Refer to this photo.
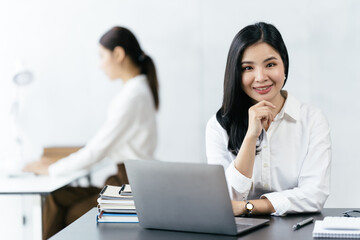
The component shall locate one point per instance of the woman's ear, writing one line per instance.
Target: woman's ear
(119, 54)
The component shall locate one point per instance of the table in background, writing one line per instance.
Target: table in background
(34, 190)
(279, 228)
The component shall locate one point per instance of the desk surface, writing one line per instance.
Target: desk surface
(279, 228)
(32, 184)
(37, 184)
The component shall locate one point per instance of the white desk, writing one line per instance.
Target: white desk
(37, 184)
(34, 189)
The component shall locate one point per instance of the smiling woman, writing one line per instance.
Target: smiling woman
(275, 150)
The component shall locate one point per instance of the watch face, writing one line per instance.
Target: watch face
(249, 206)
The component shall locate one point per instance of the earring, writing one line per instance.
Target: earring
(285, 77)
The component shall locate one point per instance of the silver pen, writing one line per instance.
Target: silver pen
(302, 223)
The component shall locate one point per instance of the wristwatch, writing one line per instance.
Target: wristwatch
(249, 207)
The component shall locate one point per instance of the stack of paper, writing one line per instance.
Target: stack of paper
(321, 230)
(116, 204)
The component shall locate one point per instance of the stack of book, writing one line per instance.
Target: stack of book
(116, 204)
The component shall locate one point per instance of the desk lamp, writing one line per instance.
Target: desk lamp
(21, 78)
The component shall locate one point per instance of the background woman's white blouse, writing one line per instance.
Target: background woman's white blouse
(129, 131)
(293, 168)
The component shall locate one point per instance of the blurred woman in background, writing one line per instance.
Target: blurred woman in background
(129, 131)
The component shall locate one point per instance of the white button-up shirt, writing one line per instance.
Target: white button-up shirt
(129, 131)
(293, 168)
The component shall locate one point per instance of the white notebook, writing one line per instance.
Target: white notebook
(321, 232)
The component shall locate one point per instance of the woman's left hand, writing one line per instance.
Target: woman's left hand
(38, 167)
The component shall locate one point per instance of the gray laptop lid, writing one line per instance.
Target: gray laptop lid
(181, 196)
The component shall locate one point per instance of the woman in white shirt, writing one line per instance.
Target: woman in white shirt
(129, 131)
(276, 151)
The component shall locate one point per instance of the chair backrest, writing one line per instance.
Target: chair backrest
(53, 154)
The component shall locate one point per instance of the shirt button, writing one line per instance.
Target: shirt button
(265, 146)
(265, 165)
(266, 186)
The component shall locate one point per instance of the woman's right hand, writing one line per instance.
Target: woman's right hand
(38, 167)
(260, 116)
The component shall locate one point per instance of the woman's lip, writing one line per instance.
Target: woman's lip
(263, 90)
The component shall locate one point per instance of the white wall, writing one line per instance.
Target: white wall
(189, 41)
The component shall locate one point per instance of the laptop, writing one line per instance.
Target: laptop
(190, 197)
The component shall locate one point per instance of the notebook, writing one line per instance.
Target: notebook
(189, 197)
(321, 232)
(116, 192)
(117, 218)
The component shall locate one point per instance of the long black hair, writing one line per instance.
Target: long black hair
(120, 36)
(233, 114)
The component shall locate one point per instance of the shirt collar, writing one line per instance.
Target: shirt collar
(134, 82)
(291, 107)
(138, 78)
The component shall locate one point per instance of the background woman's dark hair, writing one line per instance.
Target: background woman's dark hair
(120, 36)
(233, 114)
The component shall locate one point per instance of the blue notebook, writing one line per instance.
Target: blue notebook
(116, 218)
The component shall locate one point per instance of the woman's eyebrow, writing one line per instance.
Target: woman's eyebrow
(270, 58)
(266, 60)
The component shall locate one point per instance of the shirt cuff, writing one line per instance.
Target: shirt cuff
(237, 181)
(58, 168)
(280, 203)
